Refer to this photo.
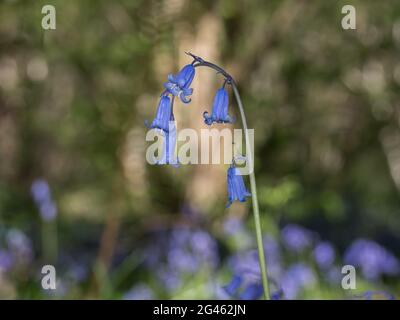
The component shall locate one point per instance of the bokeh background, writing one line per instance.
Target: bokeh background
(76, 191)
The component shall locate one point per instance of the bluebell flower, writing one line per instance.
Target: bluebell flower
(373, 259)
(6, 260)
(169, 142)
(246, 264)
(163, 115)
(232, 287)
(219, 112)
(333, 275)
(236, 188)
(139, 292)
(247, 276)
(277, 295)
(324, 254)
(20, 246)
(296, 238)
(179, 84)
(233, 225)
(40, 190)
(41, 194)
(181, 252)
(252, 292)
(205, 246)
(272, 252)
(296, 278)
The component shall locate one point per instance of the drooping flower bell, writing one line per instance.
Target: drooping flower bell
(163, 115)
(219, 112)
(236, 188)
(168, 151)
(179, 84)
(232, 287)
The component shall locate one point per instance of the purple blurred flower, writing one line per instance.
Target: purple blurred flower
(48, 210)
(181, 251)
(373, 259)
(252, 292)
(324, 254)
(78, 272)
(182, 260)
(246, 280)
(139, 292)
(169, 278)
(6, 260)
(296, 278)
(232, 225)
(334, 275)
(273, 257)
(246, 264)
(41, 194)
(233, 286)
(296, 238)
(40, 190)
(205, 247)
(20, 246)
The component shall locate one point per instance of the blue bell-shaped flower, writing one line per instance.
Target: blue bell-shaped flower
(163, 115)
(179, 84)
(232, 287)
(236, 188)
(219, 109)
(168, 152)
(252, 292)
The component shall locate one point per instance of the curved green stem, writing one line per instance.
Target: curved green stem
(253, 187)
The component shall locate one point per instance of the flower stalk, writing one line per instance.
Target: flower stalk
(178, 85)
(253, 187)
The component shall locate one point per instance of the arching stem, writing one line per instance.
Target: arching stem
(199, 62)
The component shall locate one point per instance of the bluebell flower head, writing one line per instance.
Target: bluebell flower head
(252, 292)
(163, 115)
(169, 142)
(40, 190)
(373, 259)
(139, 292)
(48, 210)
(179, 84)
(324, 254)
(233, 286)
(219, 112)
(296, 238)
(297, 277)
(6, 260)
(272, 251)
(246, 280)
(236, 188)
(233, 225)
(20, 246)
(41, 194)
(180, 252)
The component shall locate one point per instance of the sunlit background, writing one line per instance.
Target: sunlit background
(76, 191)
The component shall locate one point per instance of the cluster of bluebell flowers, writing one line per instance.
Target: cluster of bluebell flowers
(179, 86)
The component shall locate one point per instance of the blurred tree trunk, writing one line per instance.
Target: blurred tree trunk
(207, 182)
